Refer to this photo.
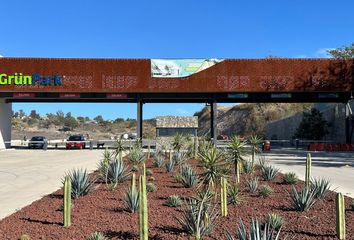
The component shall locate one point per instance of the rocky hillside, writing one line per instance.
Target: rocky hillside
(248, 118)
(241, 119)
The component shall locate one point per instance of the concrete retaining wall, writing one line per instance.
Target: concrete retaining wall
(285, 128)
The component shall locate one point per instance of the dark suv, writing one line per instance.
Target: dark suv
(37, 142)
(76, 141)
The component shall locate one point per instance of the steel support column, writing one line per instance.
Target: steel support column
(213, 121)
(348, 116)
(5, 124)
(139, 127)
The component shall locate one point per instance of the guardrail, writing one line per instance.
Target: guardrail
(91, 143)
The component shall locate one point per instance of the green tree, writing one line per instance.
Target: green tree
(81, 120)
(313, 126)
(99, 119)
(34, 115)
(342, 52)
(70, 121)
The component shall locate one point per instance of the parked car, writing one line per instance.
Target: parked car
(76, 141)
(37, 142)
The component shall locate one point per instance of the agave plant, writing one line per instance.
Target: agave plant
(320, 187)
(304, 199)
(252, 185)
(269, 172)
(237, 154)
(290, 178)
(198, 216)
(254, 141)
(248, 166)
(80, 183)
(151, 187)
(136, 156)
(132, 200)
(159, 160)
(97, 236)
(180, 158)
(265, 191)
(255, 232)
(189, 176)
(116, 172)
(214, 166)
(274, 221)
(234, 195)
(170, 165)
(174, 201)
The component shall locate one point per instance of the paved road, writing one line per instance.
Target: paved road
(337, 167)
(27, 175)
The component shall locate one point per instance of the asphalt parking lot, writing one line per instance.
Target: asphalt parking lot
(338, 167)
(27, 175)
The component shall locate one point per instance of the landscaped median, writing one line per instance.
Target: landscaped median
(113, 205)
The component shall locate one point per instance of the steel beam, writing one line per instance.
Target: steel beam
(213, 121)
(139, 127)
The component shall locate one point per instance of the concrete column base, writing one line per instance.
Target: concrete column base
(5, 124)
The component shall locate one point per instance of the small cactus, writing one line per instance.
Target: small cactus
(25, 237)
(308, 170)
(340, 216)
(149, 151)
(67, 202)
(143, 209)
(223, 197)
(195, 147)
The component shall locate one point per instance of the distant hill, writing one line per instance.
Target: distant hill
(246, 119)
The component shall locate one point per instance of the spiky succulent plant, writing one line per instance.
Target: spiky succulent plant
(214, 166)
(80, 182)
(320, 187)
(304, 199)
(198, 216)
(269, 172)
(159, 160)
(151, 187)
(274, 221)
(248, 166)
(252, 185)
(234, 195)
(97, 236)
(136, 156)
(116, 172)
(265, 191)
(189, 176)
(290, 178)
(170, 165)
(255, 232)
(173, 201)
(180, 158)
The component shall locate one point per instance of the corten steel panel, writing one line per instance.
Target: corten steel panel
(231, 75)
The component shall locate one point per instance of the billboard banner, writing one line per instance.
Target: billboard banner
(175, 68)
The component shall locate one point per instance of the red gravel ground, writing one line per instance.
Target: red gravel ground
(104, 211)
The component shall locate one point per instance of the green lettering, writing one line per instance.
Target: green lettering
(27, 80)
(9, 80)
(3, 79)
(18, 79)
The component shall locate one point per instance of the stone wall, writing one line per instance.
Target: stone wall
(285, 129)
(173, 122)
(176, 122)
